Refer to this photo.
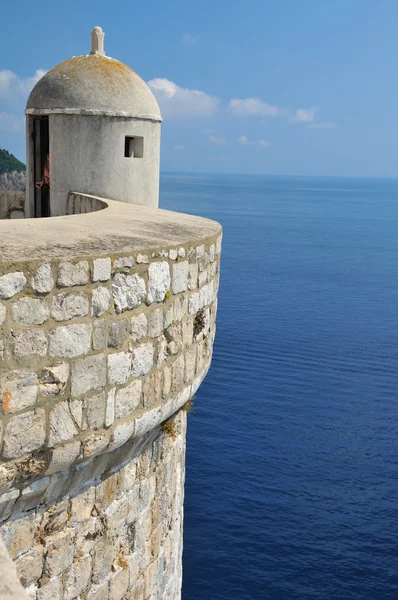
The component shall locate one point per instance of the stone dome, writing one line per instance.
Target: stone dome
(93, 84)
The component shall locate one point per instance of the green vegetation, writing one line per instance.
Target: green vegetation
(9, 163)
(169, 428)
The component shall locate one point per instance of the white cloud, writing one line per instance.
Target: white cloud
(322, 126)
(9, 122)
(217, 141)
(304, 115)
(188, 38)
(182, 103)
(12, 86)
(247, 107)
(246, 142)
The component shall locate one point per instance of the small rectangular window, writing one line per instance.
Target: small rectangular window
(133, 147)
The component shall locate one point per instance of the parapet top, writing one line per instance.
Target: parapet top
(97, 41)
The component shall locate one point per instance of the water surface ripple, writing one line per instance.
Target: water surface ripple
(292, 476)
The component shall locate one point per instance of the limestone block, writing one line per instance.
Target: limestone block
(88, 374)
(123, 262)
(118, 584)
(116, 515)
(102, 269)
(42, 280)
(100, 335)
(11, 284)
(3, 313)
(110, 408)
(152, 389)
(128, 399)
(29, 566)
(162, 351)
(119, 367)
(128, 291)
(69, 306)
(138, 327)
(180, 307)
(142, 259)
(70, 275)
(105, 492)
(173, 254)
(143, 357)
(121, 434)
(62, 426)
(24, 433)
(78, 577)
(158, 282)
(117, 333)
(173, 335)
(69, 341)
(138, 591)
(200, 251)
(7, 502)
(101, 300)
(96, 411)
(99, 592)
(187, 332)
(64, 456)
(76, 410)
(54, 379)
(95, 443)
(190, 364)
(127, 479)
(166, 381)
(181, 252)
(103, 557)
(30, 343)
(218, 245)
(134, 570)
(7, 476)
(205, 295)
(52, 590)
(168, 315)
(180, 277)
(194, 303)
(177, 373)
(212, 253)
(203, 277)
(18, 390)
(155, 323)
(82, 505)
(30, 311)
(18, 535)
(60, 550)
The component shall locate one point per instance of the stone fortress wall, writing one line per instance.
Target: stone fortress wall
(107, 323)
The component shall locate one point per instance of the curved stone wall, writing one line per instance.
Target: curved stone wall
(98, 354)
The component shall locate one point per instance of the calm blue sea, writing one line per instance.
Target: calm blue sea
(292, 457)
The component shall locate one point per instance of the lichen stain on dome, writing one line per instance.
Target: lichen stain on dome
(93, 80)
(93, 64)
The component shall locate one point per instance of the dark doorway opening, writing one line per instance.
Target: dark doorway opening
(41, 153)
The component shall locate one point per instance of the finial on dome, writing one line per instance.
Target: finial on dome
(97, 38)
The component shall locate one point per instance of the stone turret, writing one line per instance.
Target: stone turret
(107, 323)
(99, 124)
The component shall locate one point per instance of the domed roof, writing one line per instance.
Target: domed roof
(93, 84)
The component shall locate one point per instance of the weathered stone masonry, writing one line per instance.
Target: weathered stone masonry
(105, 334)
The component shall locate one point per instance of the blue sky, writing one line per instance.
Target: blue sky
(256, 86)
